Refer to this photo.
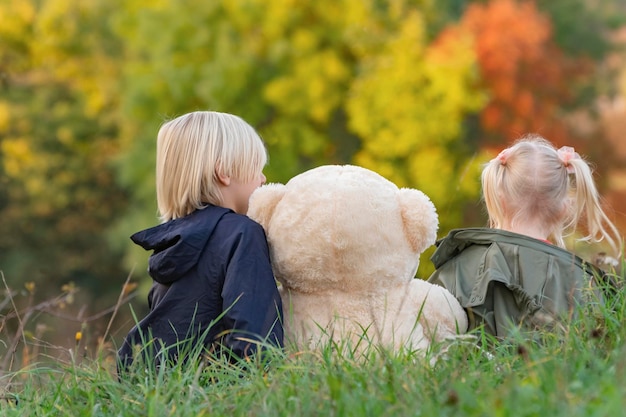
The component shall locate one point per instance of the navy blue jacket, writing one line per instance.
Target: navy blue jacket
(213, 284)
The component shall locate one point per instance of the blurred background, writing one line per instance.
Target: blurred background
(421, 91)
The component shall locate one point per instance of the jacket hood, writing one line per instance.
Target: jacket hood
(178, 244)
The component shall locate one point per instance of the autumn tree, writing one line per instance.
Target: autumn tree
(408, 105)
(347, 81)
(57, 135)
(86, 85)
(537, 62)
(526, 76)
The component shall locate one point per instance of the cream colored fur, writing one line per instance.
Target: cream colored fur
(345, 245)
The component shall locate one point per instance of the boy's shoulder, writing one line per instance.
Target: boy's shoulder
(233, 222)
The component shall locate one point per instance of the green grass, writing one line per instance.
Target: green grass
(579, 371)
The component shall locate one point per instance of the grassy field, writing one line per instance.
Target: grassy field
(578, 371)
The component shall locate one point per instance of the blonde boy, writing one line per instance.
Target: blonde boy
(213, 283)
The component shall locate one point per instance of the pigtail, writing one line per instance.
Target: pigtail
(587, 205)
(492, 179)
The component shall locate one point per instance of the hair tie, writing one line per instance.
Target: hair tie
(567, 154)
(503, 156)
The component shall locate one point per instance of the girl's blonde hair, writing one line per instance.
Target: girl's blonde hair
(532, 179)
(192, 149)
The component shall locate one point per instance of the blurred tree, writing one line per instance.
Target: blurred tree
(57, 135)
(176, 61)
(584, 30)
(321, 81)
(581, 27)
(542, 64)
(85, 85)
(408, 104)
(527, 76)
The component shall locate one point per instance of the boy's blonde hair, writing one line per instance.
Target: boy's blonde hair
(532, 179)
(192, 149)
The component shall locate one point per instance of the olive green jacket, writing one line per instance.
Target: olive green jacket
(504, 279)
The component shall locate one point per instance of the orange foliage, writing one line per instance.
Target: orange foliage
(527, 76)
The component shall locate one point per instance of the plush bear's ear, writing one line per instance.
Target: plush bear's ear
(263, 201)
(419, 218)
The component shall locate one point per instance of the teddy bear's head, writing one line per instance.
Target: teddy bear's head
(343, 228)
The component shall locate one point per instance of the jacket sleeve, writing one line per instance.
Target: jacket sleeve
(251, 302)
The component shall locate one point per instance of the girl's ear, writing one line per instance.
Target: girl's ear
(419, 218)
(263, 201)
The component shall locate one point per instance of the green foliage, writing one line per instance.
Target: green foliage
(581, 27)
(324, 82)
(408, 106)
(84, 87)
(56, 136)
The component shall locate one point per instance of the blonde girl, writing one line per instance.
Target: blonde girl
(534, 189)
(517, 274)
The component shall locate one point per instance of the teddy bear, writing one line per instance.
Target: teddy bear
(345, 245)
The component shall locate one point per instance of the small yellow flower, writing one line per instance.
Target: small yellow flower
(79, 336)
(30, 287)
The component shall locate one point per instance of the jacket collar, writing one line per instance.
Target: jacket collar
(459, 239)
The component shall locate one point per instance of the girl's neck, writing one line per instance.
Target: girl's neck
(529, 229)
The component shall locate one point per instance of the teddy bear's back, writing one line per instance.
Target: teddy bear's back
(348, 235)
(409, 315)
(345, 244)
